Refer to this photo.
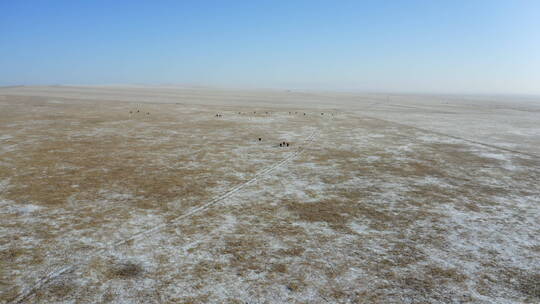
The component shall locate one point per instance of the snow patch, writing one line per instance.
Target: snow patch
(11, 207)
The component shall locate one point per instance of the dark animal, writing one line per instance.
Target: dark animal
(260, 139)
(287, 144)
(281, 145)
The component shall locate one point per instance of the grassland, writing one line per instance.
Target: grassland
(143, 195)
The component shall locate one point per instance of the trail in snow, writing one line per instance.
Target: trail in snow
(25, 294)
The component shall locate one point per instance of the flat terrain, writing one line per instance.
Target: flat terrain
(143, 195)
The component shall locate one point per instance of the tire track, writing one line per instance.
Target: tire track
(25, 294)
(495, 147)
(221, 197)
(532, 155)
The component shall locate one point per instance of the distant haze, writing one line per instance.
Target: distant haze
(481, 46)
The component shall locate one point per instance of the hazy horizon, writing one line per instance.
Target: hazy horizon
(462, 47)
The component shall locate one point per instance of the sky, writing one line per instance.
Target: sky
(425, 46)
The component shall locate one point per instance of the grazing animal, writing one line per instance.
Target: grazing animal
(147, 113)
(287, 144)
(304, 114)
(281, 145)
(137, 111)
(130, 112)
(260, 139)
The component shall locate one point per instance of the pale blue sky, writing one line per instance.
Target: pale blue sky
(467, 46)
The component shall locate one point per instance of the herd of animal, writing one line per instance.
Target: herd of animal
(281, 144)
(255, 112)
(138, 111)
(219, 115)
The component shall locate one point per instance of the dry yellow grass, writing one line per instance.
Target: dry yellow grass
(371, 212)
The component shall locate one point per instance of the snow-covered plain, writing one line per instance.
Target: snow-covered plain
(143, 195)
